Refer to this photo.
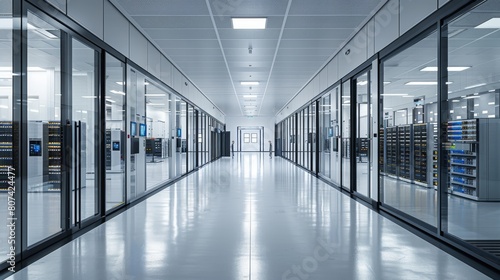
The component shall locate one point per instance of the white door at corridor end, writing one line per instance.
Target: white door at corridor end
(250, 140)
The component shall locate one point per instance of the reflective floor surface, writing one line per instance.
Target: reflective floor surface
(249, 217)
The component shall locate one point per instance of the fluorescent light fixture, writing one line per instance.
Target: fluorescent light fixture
(493, 23)
(406, 96)
(472, 97)
(476, 105)
(159, 104)
(475, 114)
(79, 74)
(362, 83)
(110, 100)
(459, 117)
(120, 83)
(451, 111)
(109, 105)
(421, 83)
(33, 68)
(4, 106)
(491, 116)
(155, 94)
(346, 96)
(89, 96)
(249, 23)
(464, 107)
(491, 90)
(485, 112)
(491, 103)
(146, 83)
(41, 31)
(475, 86)
(249, 96)
(450, 68)
(34, 111)
(117, 92)
(455, 101)
(394, 94)
(249, 83)
(386, 83)
(387, 108)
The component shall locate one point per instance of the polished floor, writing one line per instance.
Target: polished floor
(249, 217)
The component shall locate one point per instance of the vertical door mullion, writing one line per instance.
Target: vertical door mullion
(66, 120)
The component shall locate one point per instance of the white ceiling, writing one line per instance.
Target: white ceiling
(301, 36)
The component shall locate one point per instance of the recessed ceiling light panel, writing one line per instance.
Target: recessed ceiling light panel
(249, 23)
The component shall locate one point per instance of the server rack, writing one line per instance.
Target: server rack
(405, 157)
(6, 153)
(473, 165)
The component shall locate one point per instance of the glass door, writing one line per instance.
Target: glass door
(44, 137)
(363, 138)
(83, 116)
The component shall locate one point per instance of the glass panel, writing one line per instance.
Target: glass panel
(312, 136)
(157, 135)
(191, 138)
(407, 181)
(326, 133)
(44, 130)
(473, 127)
(7, 156)
(335, 139)
(136, 111)
(115, 133)
(182, 140)
(362, 135)
(346, 135)
(305, 138)
(84, 110)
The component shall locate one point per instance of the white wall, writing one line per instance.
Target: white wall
(267, 122)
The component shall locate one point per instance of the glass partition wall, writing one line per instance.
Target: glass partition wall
(435, 138)
(115, 133)
(83, 132)
(407, 181)
(8, 156)
(472, 129)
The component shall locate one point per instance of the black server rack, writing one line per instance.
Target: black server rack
(404, 148)
(6, 153)
(392, 150)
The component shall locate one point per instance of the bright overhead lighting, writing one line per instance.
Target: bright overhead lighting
(492, 23)
(450, 68)
(472, 97)
(120, 83)
(386, 83)
(155, 94)
(110, 100)
(159, 104)
(387, 108)
(394, 94)
(249, 96)
(362, 83)
(405, 96)
(89, 96)
(117, 92)
(249, 23)
(421, 83)
(4, 106)
(491, 103)
(249, 83)
(455, 101)
(475, 86)
(41, 31)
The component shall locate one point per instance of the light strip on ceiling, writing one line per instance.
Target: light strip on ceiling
(155, 94)
(450, 68)
(249, 23)
(249, 83)
(421, 83)
(117, 92)
(493, 23)
(475, 86)
(394, 94)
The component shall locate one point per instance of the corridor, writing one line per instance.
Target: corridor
(249, 217)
